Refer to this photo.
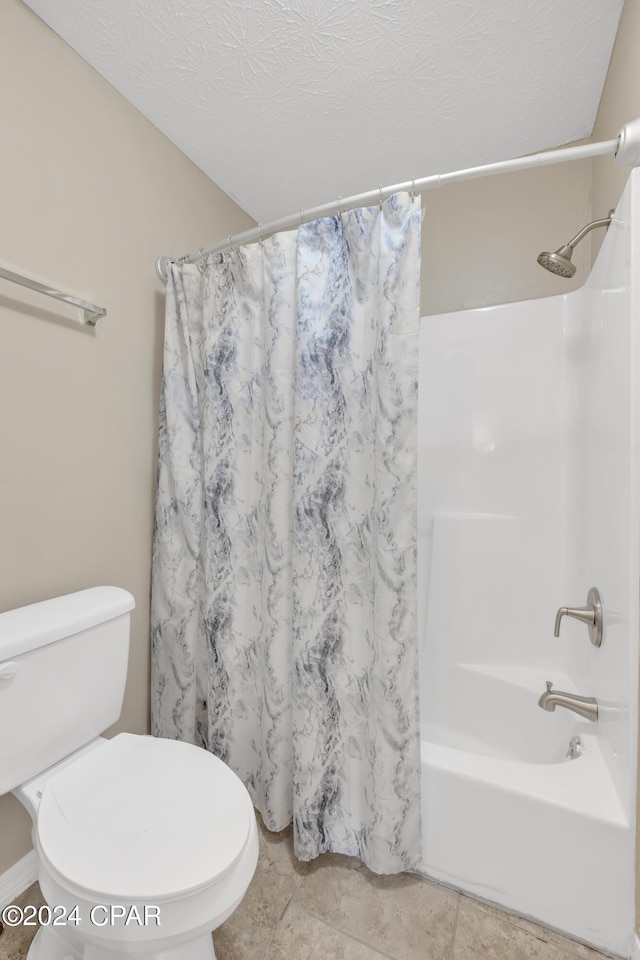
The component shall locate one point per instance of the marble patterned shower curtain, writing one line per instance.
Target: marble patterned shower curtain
(284, 570)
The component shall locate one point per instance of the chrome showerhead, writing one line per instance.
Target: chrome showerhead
(559, 262)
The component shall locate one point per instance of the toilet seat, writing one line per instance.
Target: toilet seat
(143, 819)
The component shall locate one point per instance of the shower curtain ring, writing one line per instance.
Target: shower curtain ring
(380, 196)
(301, 217)
(413, 188)
(339, 210)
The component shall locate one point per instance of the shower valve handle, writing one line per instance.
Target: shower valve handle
(591, 615)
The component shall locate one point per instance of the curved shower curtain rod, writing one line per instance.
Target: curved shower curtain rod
(626, 149)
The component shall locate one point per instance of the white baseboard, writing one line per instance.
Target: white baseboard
(635, 953)
(21, 875)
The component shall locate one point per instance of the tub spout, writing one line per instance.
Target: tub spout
(586, 707)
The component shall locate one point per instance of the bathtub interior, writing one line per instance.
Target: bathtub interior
(528, 480)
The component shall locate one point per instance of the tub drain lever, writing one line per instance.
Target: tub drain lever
(576, 749)
(591, 615)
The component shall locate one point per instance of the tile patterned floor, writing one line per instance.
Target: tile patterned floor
(336, 909)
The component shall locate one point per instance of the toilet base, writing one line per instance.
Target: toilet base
(49, 945)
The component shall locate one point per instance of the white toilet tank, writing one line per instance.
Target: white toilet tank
(63, 669)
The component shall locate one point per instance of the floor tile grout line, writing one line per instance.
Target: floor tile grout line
(455, 927)
(299, 877)
(289, 901)
(349, 936)
(274, 930)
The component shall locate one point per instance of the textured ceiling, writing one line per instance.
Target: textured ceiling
(291, 103)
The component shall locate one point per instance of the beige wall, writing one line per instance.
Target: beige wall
(481, 238)
(91, 194)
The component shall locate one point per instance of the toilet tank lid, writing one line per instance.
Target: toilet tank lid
(38, 624)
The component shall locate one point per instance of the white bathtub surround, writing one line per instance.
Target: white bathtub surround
(284, 579)
(528, 496)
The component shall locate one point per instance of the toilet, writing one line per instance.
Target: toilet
(144, 845)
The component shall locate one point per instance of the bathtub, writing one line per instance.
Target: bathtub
(528, 480)
(510, 820)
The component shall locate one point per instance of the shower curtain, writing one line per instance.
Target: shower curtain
(284, 567)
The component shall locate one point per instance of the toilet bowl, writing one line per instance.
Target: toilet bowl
(144, 845)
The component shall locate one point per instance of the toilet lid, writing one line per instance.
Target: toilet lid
(144, 818)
